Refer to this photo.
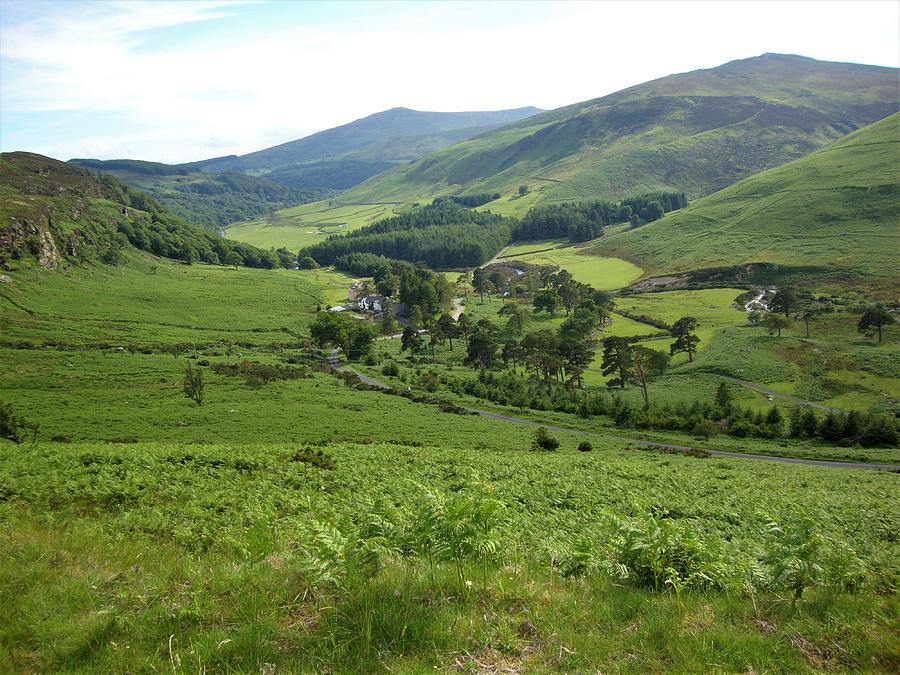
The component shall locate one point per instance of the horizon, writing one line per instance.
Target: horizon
(147, 105)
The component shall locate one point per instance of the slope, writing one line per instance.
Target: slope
(833, 213)
(57, 213)
(362, 139)
(693, 132)
(213, 200)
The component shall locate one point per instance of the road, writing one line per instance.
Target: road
(335, 364)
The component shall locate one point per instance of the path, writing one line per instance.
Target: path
(779, 394)
(334, 363)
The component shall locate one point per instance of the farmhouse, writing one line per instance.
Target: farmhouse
(371, 303)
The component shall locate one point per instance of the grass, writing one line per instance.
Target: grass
(156, 534)
(178, 557)
(300, 226)
(602, 273)
(832, 213)
(157, 301)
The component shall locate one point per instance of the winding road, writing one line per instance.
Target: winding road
(335, 364)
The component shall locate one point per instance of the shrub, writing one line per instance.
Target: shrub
(705, 429)
(585, 446)
(193, 384)
(543, 440)
(314, 457)
(390, 368)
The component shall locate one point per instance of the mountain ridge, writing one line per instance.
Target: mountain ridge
(694, 132)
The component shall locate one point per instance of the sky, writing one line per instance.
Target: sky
(185, 80)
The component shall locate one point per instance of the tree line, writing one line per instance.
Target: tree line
(446, 235)
(439, 235)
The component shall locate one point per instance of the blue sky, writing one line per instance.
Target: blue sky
(180, 81)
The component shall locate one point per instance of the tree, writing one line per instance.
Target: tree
(232, 259)
(641, 367)
(774, 323)
(518, 317)
(807, 315)
(339, 330)
(523, 190)
(785, 301)
(875, 317)
(388, 324)
(415, 316)
(540, 351)
(482, 351)
(305, 262)
(634, 220)
(723, 399)
(446, 326)
(411, 340)
(465, 327)
(617, 361)
(193, 385)
(756, 317)
(685, 339)
(546, 300)
(510, 353)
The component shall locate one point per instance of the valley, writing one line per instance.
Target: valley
(608, 388)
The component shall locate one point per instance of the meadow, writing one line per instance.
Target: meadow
(604, 274)
(301, 226)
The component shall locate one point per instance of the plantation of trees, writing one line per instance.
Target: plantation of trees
(446, 235)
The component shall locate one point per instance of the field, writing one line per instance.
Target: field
(300, 226)
(601, 273)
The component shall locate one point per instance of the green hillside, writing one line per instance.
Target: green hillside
(59, 214)
(695, 132)
(833, 213)
(213, 200)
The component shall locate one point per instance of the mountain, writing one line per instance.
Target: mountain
(388, 137)
(57, 213)
(833, 214)
(216, 192)
(694, 132)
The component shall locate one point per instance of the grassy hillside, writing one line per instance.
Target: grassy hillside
(833, 213)
(210, 199)
(57, 214)
(694, 132)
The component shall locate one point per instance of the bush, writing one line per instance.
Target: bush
(543, 440)
(390, 368)
(705, 429)
(585, 446)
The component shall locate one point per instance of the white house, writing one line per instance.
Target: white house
(371, 303)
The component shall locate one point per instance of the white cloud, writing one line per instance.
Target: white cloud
(196, 99)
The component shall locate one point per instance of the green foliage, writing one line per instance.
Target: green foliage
(13, 427)
(335, 329)
(441, 235)
(193, 384)
(543, 440)
(875, 317)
